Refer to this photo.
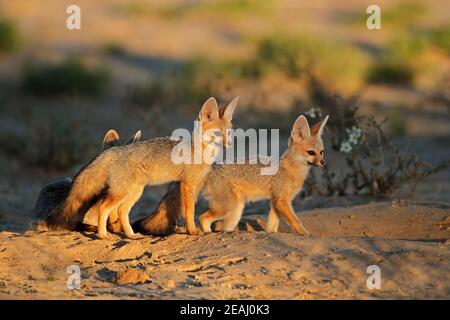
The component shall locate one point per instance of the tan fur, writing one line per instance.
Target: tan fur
(228, 187)
(118, 175)
(111, 139)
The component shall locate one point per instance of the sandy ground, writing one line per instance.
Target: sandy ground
(409, 242)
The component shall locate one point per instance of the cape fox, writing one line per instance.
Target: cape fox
(53, 194)
(116, 178)
(228, 187)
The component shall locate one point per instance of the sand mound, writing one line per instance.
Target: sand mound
(410, 244)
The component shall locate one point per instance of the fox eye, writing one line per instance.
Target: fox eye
(321, 151)
(218, 134)
(311, 153)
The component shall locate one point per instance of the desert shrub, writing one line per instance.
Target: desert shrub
(290, 56)
(192, 83)
(222, 8)
(69, 77)
(340, 66)
(9, 36)
(404, 14)
(114, 48)
(133, 8)
(397, 124)
(441, 38)
(52, 142)
(373, 164)
(400, 61)
(238, 7)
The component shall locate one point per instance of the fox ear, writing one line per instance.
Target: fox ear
(228, 111)
(111, 139)
(317, 129)
(137, 136)
(300, 130)
(210, 110)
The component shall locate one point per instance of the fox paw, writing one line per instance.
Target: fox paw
(194, 232)
(107, 237)
(135, 236)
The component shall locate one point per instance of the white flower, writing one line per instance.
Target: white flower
(353, 139)
(357, 132)
(354, 134)
(314, 112)
(346, 147)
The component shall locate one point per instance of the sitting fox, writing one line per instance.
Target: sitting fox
(116, 178)
(228, 187)
(53, 194)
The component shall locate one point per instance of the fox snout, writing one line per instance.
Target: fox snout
(317, 163)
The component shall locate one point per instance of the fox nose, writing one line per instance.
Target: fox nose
(322, 162)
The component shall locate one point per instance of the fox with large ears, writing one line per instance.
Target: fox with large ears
(228, 187)
(116, 178)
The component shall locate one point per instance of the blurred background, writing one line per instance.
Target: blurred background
(149, 65)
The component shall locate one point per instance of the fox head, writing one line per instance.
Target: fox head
(216, 123)
(306, 142)
(112, 139)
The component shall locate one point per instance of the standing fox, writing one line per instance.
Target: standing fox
(229, 186)
(54, 194)
(116, 178)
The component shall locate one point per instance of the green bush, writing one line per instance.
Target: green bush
(400, 61)
(339, 65)
(9, 37)
(52, 141)
(70, 77)
(404, 14)
(373, 165)
(441, 38)
(391, 72)
(231, 8)
(194, 82)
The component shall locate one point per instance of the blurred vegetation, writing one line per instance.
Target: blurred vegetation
(231, 8)
(401, 60)
(9, 36)
(373, 165)
(290, 56)
(396, 123)
(441, 38)
(114, 48)
(52, 141)
(404, 14)
(325, 59)
(69, 77)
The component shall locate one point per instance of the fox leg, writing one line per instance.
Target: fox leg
(207, 218)
(187, 196)
(272, 221)
(107, 206)
(124, 212)
(284, 208)
(232, 217)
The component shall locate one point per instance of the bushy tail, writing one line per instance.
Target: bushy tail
(166, 215)
(50, 197)
(88, 186)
